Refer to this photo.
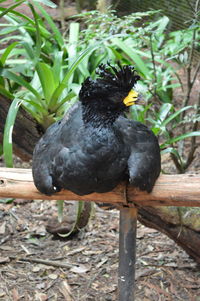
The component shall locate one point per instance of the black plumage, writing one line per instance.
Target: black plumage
(95, 146)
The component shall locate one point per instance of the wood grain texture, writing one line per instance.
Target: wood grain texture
(169, 190)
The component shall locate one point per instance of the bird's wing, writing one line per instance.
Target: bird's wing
(70, 125)
(61, 134)
(144, 160)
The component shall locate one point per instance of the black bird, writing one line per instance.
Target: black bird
(95, 146)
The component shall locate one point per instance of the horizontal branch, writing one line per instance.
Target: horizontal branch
(169, 190)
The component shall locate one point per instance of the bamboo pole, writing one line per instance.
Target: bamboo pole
(169, 190)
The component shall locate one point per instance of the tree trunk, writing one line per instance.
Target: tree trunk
(170, 221)
(26, 131)
(174, 222)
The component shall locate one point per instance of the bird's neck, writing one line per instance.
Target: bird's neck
(98, 117)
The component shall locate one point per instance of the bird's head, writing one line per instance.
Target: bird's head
(113, 89)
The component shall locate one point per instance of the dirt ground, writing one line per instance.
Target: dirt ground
(35, 265)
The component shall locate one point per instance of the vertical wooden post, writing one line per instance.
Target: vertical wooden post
(127, 253)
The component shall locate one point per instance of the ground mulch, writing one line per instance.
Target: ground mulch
(35, 265)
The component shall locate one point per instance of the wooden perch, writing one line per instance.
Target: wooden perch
(169, 190)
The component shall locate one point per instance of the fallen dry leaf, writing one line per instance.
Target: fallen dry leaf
(145, 272)
(72, 252)
(53, 276)
(3, 228)
(15, 295)
(36, 269)
(143, 231)
(4, 259)
(5, 207)
(40, 297)
(79, 269)
(66, 291)
(2, 293)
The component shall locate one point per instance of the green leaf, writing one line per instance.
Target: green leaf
(60, 206)
(174, 115)
(162, 24)
(16, 13)
(53, 104)
(171, 150)
(47, 3)
(73, 40)
(36, 114)
(52, 25)
(7, 137)
(29, 50)
(18, 79)
(6, 201)
(138, 112)
(69, 96)
(47, 80)
(57, 67)
(5, 92)
(164, 111)
(73, 67)
(7, 52)
(80, 208)
(9, 9)
(157, 59)
(38, 34)
(78, 61)
(36, 105)
(161, 122)
(180, 137)
(44, 33)
(141, 66)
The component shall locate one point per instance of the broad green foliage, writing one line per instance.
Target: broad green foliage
(42, 70)
(39, 69)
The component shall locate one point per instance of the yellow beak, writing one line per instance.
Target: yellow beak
(131, 98)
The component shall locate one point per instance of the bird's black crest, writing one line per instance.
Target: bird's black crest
(110, 79)
(122, 77)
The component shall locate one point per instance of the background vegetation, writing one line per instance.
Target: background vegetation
(42, 69)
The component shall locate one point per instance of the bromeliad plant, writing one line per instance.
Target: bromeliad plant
(50, 68)
(40, 71)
